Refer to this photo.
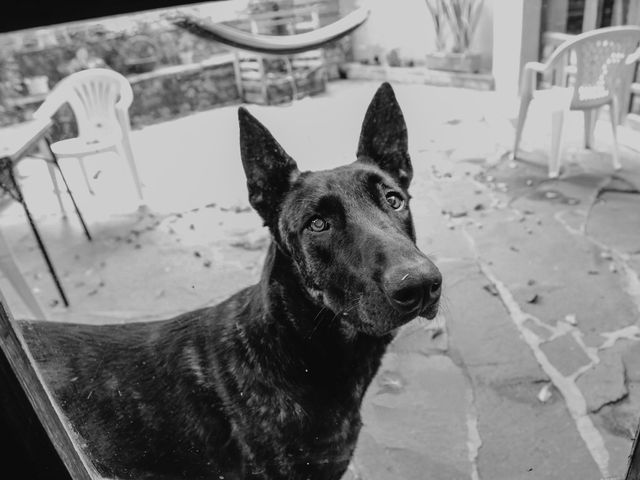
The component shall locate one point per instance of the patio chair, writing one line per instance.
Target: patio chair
(100, 100)
(587, 72)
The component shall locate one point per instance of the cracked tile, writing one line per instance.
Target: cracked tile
(604, 383)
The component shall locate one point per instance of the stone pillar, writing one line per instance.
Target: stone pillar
(516, 40)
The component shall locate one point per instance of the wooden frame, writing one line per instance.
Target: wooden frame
(42, 444)
(35, 13)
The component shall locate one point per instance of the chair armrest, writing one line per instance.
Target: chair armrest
(50, 105)
(529, 73)
(633, 58)
(126, 98)
(536, 67)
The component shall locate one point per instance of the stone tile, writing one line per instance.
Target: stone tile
(524, 440)
(615, 221)
(415, 417)
(426, 337)
(604, 383)
(570, 274)
(482, 334)
(631, 359)
(565, 354)
(618, 446)
(621, 419)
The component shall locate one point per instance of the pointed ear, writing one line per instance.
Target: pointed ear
(383, 138)
(269, 170)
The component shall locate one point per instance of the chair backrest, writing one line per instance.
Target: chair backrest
(599, 59)
(94, 95)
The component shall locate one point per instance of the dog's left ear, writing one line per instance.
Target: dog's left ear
(270, 171)
(383, 138)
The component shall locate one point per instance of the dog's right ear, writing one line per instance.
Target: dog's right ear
(383, 138)
(270, 171)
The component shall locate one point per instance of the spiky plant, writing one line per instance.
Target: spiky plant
(460, 16)
(438, 16)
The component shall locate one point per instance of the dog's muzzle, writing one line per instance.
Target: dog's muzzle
(414, 289)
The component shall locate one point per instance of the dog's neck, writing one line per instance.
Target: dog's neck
(285, 299)
(313, 338)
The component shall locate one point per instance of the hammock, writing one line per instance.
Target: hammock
(275, 44)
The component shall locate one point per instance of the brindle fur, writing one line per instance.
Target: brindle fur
(268, 384)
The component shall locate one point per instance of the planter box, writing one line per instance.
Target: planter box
(454, 62)
(419, 75)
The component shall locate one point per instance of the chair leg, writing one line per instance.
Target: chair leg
(44, 150)
(54, 162)
(56, 188)
(85, 175)
(590, 118)
(525, 100)
(73, 201)
(10, 269)
(614, 112)
(557, 122)
(127, 152)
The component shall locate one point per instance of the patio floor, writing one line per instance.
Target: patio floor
(531, 369)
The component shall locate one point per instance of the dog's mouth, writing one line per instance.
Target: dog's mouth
(430, 311)
(390, 323)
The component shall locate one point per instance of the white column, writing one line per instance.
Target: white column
(516, 40)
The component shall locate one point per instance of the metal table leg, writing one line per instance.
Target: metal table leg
(6, 167)
(54, 159)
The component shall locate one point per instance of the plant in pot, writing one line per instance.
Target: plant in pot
(455, 22)
(141, 54)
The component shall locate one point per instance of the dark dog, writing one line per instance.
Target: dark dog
(268, 384)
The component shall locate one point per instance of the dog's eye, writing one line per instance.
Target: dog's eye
(395, 200)
(318, 224)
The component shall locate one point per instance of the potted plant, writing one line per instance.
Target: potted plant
(455, 22)
(141, 54)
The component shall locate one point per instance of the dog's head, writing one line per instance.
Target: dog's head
(349, 230)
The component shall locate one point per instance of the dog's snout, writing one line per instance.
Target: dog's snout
(413, 288)
(408, 298)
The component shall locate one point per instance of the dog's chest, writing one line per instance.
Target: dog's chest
(312, 430)
(324, 447)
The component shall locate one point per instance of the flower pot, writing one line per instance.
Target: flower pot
(38, 85)
(454, 62)
(141, 65)
(141, 54)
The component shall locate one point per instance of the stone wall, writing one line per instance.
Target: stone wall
(176, 91)
(115, 49)
(160, 95)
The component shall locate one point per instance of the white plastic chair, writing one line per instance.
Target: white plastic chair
(100, 99)
(596, 65)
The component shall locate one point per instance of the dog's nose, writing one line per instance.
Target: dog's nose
(414, 287)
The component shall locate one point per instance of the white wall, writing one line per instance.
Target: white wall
(407, 25)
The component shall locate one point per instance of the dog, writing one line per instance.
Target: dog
(267, 384)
